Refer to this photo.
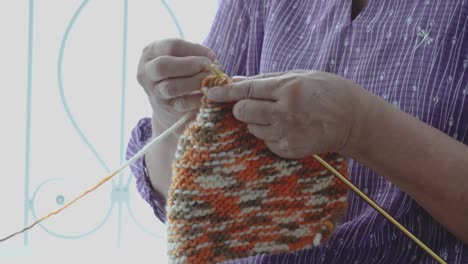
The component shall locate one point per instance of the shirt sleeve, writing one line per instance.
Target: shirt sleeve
(141, 135)
(236, 36)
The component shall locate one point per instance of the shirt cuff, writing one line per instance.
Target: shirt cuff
(141, 135)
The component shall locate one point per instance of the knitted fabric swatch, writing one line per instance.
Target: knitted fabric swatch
(232, 198)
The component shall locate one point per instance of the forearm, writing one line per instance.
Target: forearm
(159, 161)
(426, 163)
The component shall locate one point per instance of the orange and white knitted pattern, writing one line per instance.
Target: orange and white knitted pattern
(232, 198)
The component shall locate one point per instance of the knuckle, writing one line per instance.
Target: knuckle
(150, 49)
(240, 109)
(274, 115)
(249, 90)
(295, 82)
(172, 45)
(296, 72)
(141, 76)
(193, 64)
(164, 88)
(202, 62)
(153, 92)
(263, 75)
(147, 50)
(162, 47)
(160, 64)
(295, 91)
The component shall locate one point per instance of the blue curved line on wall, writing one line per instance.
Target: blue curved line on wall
(122, 110)
(52, 233)
(122, 118)
(27, 159)
(142, 227)
(181, 35)
(61, 89)
(132, 214)
(123, 85)
(129, 179)
(174, 18)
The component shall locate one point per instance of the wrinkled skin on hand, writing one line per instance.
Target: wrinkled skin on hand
(298, 113)
(170, 72)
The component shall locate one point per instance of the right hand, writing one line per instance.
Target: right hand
(171, 72)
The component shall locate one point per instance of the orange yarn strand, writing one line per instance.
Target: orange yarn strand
(62, 208)
(107, 178)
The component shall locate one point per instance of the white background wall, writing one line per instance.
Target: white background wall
(93, 80)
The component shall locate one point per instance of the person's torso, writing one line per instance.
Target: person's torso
(414, 54)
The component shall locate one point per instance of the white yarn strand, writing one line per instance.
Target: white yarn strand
(145, 149)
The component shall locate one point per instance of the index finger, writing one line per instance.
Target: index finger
(261, 89)
(176, 48)
(172, 67)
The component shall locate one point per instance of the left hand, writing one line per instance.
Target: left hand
(299, 113)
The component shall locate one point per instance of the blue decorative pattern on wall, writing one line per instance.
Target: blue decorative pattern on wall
(120, 190)
(55, 48)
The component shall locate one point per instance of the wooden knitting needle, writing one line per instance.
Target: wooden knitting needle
(379, 209)
(216, 71)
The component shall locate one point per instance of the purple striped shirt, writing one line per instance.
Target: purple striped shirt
(414, 54)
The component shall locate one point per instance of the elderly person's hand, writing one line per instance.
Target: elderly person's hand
(171, 71)
(299, 113)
